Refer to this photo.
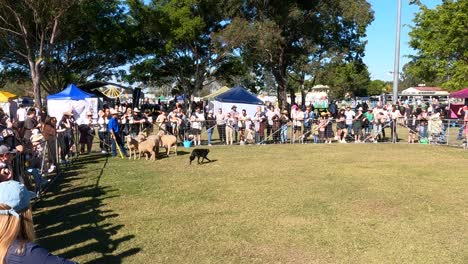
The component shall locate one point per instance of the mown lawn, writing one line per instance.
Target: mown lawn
(339, 203)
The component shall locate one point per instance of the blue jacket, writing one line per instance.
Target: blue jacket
(113, 126)
(33, 254)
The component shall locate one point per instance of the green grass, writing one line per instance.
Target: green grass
(339, 203)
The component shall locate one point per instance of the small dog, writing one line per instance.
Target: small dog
(199, 153)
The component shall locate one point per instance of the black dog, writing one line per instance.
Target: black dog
(199, 153)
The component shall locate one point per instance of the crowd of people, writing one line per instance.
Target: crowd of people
(32, 144)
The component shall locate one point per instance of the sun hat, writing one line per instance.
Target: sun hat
(285, 112)
(16, 196)
(68, 113)
(360, 109)
(5, 150)
(37, 137)
(136, 110)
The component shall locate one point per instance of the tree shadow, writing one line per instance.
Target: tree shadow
(70, 217)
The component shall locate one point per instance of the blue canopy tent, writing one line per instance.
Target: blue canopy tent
(72, 92)
(72, 99)
(239, 97)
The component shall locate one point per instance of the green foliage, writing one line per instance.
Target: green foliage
(440, 36)
(183, 54)
(289, 37)
(96, 38)
(376, 87)
(352, 77)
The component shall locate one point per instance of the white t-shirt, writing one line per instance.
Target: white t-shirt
(197, 119)
(349, 116)
(21, 113)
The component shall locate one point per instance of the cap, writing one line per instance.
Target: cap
(136, 110)
(285, 112)
(114, 112)
(5, 150)
(360, 109)
(89, 113)
(16, 196)
(68, 113)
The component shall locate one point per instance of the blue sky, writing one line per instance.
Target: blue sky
(381, 34)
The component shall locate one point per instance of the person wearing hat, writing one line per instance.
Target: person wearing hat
(17, 228)
(235, 116)
(49, 132)
(113, 128)
(34, 162)
(87, 133)
(136, 120)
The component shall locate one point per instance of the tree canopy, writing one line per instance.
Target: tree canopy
(440, 37)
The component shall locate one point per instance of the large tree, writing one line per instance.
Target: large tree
(28, 34)
(176, 47)
(278, 34)
(440, 37)
(57, 43)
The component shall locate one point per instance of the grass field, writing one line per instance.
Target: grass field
(339, 203)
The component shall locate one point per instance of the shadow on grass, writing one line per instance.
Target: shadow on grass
(72, 217)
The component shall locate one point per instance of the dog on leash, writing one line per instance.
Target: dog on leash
(199, 153)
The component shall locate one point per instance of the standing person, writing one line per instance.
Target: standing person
(21, 115)
(297, 116)
(17, 228)
(309, 117)
(235, 115)
(329, 128)
(102, 123)
(113, 128)
(341, 130)
(276, 126)
(463, 111)
(29, 124)
(394, 115)
(161, 121)
(349, 114)
(368, 121)
(230, 121)
(283, 121)
(13, 108)
(210, 124)
(243, 125)
(270, 114)
(259, 121)
(66, 138)
(221, 125)
(197, 120)
(50, 135)
(358, 125)
(86, 134)
(423, 120)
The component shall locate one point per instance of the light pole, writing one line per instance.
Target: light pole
(396, 68)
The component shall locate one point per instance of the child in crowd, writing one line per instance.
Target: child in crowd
(315, 131)
(250, 134)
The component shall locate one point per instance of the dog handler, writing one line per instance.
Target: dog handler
(17, 229)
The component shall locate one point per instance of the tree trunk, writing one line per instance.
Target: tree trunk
(36, 82)
(292, 95)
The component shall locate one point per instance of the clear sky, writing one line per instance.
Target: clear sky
(381, 35)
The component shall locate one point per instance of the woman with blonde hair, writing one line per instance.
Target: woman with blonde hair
(17, 228)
